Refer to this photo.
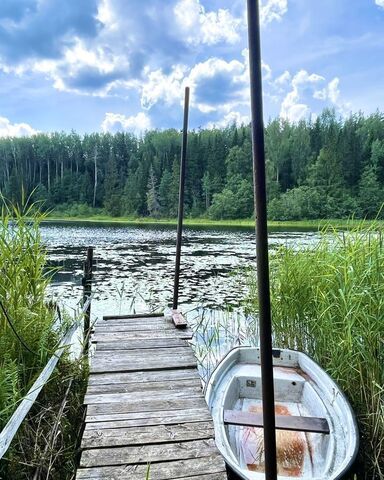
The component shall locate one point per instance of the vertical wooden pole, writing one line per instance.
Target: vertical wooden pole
(260, 195)
(87, 291)
(181, 201)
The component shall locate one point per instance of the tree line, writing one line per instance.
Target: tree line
(324, 168)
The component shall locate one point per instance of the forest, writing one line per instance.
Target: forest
(328, 167)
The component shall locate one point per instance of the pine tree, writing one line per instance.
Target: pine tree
(153, 204)
(165, 194)
(112, 202)
(370, 193)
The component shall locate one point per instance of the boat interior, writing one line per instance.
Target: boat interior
(302, 452)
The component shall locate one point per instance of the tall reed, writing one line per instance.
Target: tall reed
(27, 331)
(46, 443)
(328, 301)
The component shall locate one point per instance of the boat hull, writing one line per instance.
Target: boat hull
(302, 389)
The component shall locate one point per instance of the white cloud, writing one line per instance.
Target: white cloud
(165, 88)
(304, 88)
(208, 28)
(292, 107)
(105, 14)
(7, 129)
(83, 70)
(272, 10)
(331, 91)
(137, 124)
(380, 3)
(283, 79)
(114, 57)
(102, 67)
(229, 119)
(214, 65)
(218, 87)
(226, 82)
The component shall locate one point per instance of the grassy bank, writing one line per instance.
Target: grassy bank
(342, 224)
(29, 334)
(329, 302)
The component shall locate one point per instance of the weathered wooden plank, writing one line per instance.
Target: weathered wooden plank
(147, 453)
(283, 422)
(144, 353)
(178, 319)
(139, 344)
(109, 473)
(108, 336)
(177, 400)
(113, 437)
(139, 387)
(150, 405)
(121, 365)
(145, 363)
(210, 467)
(163, 417)
(129, 356)
(137, 328)
(134, 315)
(210, 476)
(142, 377)
(105, 327)
(135, 325)
(158, 394)
(134, 320)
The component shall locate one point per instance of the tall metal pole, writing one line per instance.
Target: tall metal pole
(262, 240)
(181, 201)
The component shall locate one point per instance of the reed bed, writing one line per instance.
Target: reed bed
(328, 301)
(216, 332)
(29, 333)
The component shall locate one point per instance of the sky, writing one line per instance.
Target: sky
(122, 65)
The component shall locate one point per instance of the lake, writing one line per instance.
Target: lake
(135, 264)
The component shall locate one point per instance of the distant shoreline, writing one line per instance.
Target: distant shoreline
(343, 224)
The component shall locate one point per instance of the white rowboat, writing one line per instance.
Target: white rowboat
(316, 436)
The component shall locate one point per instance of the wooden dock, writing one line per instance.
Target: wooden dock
(145, 405)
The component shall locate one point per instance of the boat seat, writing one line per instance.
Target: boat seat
(283, 422)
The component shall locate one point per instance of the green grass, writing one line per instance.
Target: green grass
(329, 302)
(343, 224)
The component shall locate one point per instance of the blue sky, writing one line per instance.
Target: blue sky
(109, 65)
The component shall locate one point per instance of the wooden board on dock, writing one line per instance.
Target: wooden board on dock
(145, 405)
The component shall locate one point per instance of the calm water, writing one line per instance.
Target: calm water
(134, 264)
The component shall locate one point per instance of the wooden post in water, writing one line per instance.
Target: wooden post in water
(260, 195)
(87, 291)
